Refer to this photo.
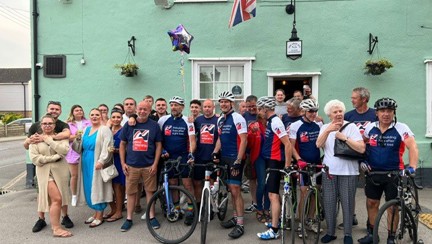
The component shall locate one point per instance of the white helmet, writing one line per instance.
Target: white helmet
(309, 104)
(177, 99)
(266, 102)
(226, 95)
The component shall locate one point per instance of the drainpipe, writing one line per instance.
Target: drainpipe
(35, 61)
(25, 100)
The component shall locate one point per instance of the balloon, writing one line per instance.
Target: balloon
(181, 39)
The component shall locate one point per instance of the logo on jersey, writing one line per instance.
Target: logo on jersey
(278, 131)
(405, 135)
(304, 137)
(191, 128)
(168, 130)
(373, 140)
(238, 126)
(140, 140)
(207, 133)
(361, 126)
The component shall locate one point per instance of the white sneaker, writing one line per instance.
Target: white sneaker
(268, 235)
(74, 200)
(143, 217)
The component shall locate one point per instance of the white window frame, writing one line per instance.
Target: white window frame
(246, 62)
(428, 64)
(272, 76)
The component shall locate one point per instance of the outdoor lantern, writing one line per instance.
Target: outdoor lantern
(294, 45)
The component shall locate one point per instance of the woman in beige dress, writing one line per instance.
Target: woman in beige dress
(53, 174)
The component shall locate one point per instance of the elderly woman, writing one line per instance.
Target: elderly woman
(93, 146)
(344, 171)
(53, 174)
(77, 123)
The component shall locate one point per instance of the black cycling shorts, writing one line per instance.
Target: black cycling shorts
(274, 178)
(377, 184)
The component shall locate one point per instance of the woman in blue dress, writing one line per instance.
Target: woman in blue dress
(94, 146)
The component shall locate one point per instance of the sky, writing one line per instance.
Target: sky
(15, 43)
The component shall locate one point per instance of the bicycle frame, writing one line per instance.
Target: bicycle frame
(172, 213)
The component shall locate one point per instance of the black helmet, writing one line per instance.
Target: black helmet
(384, 103)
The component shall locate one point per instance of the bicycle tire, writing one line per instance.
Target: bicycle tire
(178, 231)
(287, 219)
(381, 228)
(204, 215)
(311, 203)
(413, 200)
(222, 207)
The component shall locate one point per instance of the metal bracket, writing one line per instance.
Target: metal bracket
(131, 44)
(373, 40)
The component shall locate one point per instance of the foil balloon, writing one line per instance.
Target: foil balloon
(181, 39)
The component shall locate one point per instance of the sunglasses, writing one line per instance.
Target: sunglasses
(54, 102)
(313, 110)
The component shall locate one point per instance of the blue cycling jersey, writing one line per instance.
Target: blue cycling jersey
(305, 135)
(230, 126)
(175, 134)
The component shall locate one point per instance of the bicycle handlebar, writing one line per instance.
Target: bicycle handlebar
(398, 173)
(173, 163)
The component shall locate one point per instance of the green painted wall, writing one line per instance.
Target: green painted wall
(334, 34)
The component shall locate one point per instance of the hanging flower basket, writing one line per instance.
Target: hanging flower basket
(377, 67)
(128, 69)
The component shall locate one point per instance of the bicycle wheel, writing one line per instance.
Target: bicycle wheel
(287, 220)
(311, 219)
(172, 229)
(222, 202)
(204, 215)
(389, 220)
(412, 199)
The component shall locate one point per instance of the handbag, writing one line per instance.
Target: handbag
(109, 172)
(343, 150)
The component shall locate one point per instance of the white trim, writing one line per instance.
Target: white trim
(224, 59)
(428, 64)
(272, 75)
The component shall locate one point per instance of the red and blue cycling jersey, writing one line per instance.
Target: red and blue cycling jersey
(385, 150)
(231, 125)
(306, 135)
(273, 148)
(175, 133)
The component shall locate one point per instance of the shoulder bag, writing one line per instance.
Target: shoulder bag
(343, 150)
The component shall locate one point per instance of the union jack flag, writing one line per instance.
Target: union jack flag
(242, 10)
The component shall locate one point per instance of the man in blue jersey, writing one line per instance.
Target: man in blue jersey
(179, 140)
(232, 143)
(140, 150)
(207, 135)
(277, 152)
(387, 142)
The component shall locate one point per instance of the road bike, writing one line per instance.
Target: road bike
(398, 218)
(171, 230)
(214, 198)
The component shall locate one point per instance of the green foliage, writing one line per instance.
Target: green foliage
(9, 117)
(127, 69)
(377, 67)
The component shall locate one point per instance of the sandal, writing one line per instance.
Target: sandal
(260, 216)
(96, 223)
(113, 218)
(61, 233)
(107, 216)
(89, 220)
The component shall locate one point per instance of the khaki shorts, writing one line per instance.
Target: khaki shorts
(139, 175)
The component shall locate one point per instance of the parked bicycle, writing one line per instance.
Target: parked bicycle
(312, 210)
(398, 218)
(214, 198)
(171, 230)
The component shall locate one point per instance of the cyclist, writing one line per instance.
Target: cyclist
(179, 140)
(303, 135)
(387, 141)
(232, 143)
(277, 152)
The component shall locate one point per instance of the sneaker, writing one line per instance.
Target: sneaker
(348, 240)
(126, 225)
(143, 217)
(154, 223)
(268, 235)
(67, 222)
(368, 239)
(328, 238)
(189, 218)
(237, 232)
(74, 200)
(229, 223)
(391, 240)
(313, 226)
(39, 225)
(269, 224)
(251, 208)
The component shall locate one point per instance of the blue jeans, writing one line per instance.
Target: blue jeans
(260, 168)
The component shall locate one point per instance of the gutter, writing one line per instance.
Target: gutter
(35, 67)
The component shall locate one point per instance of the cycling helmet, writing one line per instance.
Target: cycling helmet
(309, 104)
(385, 102)
(226, 95)
(177, 99)
(266, 102)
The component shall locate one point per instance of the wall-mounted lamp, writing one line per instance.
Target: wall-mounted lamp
(131, 44)
(294, 45)
(373, 40)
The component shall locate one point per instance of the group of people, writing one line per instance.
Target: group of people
(268, 133)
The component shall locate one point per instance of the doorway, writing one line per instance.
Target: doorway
(291, 84)
(293, 81)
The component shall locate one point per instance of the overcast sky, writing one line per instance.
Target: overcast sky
(15, 45)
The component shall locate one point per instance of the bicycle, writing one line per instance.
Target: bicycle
(171, 229)
(312, 212)
(398, 218)
(287, 219)
(214, 199)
